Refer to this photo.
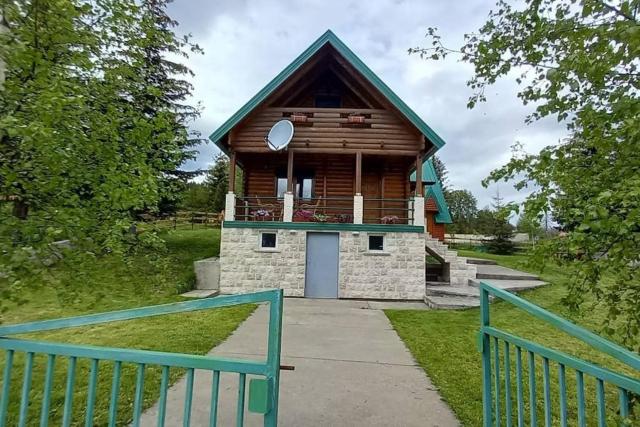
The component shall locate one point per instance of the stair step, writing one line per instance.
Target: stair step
(451, 302)
(479, 261)
(510, 285)
(453, 291)
(494, 276)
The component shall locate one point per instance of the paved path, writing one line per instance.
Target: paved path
(351, 369)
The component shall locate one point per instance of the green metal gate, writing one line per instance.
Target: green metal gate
(504, 384)
(263, 390)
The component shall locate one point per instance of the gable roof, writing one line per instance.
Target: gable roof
(328, 38)
(433, 189)
(429, 175)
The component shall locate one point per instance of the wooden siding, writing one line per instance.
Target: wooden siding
(328, 131)
(436, 230)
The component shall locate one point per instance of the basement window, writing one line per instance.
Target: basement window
(376, 243)
(268, 240)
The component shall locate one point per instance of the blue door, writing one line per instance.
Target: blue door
(321, 278)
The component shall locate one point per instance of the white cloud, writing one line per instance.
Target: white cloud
(247, 43)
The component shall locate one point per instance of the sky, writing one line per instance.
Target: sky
(246, 43)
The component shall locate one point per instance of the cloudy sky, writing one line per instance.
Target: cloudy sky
(247, 43)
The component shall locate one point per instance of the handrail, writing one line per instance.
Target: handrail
(193, 361)
(621, 354)
(137, 313)
(621, 380)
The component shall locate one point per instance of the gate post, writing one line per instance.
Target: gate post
(485, 346)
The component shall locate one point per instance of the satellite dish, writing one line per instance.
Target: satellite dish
(280, 135)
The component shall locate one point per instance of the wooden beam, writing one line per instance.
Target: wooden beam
(418, 175)
(290, 172)
(359, 172)
(232, 172)
(345, 81)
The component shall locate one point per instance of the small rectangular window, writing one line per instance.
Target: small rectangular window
(376, 243)
(268, 240)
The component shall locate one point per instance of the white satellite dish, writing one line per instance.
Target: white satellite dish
(280, 135)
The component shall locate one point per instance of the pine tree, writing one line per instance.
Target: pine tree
(501, 231)
(162, 98)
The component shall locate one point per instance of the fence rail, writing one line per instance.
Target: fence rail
(266, 402)
(501, 392)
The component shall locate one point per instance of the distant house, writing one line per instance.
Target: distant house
(341, 212)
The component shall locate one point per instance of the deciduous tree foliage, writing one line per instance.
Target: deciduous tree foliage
(578, 62)
(92, 124)
(463, 207)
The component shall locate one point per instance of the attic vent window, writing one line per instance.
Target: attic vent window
(328, 101)
(298, 118)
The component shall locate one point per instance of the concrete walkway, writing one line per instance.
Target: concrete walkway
(351, 369)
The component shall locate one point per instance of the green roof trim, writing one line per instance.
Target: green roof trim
(323, 226)
(429, 175)
(330, 38)
(435, 191)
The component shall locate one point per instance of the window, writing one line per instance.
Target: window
(376, 243)
(328, 101)
(281, 187)
(268, 240)
(304, 188)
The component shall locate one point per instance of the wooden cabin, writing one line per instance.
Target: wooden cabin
(353, 169)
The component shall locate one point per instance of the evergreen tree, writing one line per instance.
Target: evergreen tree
(501, 231)
(163, 95)
(217, 182)
(441, 172)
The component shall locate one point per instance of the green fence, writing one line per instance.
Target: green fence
(505, 400)
(263, 390)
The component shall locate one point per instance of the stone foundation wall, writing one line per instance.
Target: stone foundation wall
(398, 272)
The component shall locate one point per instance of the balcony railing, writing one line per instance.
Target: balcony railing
(387, 211)
(323, 209)
(258, 208)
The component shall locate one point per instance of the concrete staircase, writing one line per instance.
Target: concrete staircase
(444, 295)
(456, 270)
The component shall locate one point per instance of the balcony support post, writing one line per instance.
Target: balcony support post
(230, 206)
(358, 208)
(287, 208)
(418, 210)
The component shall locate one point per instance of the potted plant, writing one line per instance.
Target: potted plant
(343, 218)
(303, 215)
(390, 219)
(320, 217)
(262, 215)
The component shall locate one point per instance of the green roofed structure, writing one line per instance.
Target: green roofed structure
(345, 179)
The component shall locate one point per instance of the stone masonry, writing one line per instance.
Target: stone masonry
(398, 272)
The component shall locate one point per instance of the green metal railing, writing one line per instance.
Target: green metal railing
(263, 390)
(502, 392)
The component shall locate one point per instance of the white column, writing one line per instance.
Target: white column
(358, 208)
(287, 210)
(230, 207)
(418, 211)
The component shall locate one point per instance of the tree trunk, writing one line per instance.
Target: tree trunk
(20, 209)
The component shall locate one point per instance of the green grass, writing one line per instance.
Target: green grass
(444, 343)
(110, 284)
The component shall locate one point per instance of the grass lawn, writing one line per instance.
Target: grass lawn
(110, 284)
(444, 343)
